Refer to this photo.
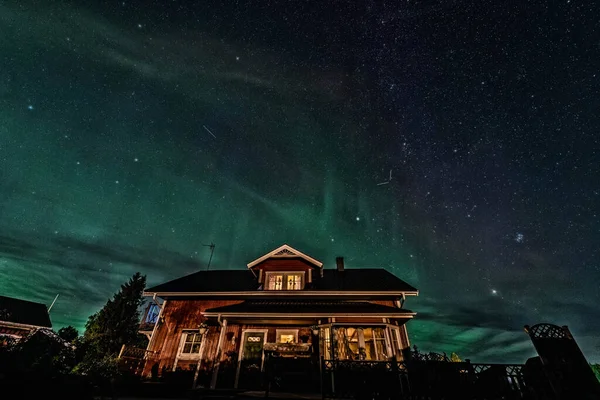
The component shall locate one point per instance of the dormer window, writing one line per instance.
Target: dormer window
(284, 281)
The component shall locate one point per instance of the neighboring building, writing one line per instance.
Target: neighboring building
(19, 317)
(223, 322)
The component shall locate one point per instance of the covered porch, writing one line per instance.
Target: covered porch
(274, 343)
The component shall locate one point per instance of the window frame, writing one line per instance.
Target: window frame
(189, 356)
(284, 276)
(152, 314)
(396, 341)
(330, 342)
(184, 335)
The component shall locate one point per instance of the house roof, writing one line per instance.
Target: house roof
(285, 251)
(216, 282)
(24, 312)
(210, 281)
(294, 307)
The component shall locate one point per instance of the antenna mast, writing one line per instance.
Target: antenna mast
(212, 249)
(50, 308)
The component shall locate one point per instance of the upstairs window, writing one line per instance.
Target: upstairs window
(152, 314)
(284, 281)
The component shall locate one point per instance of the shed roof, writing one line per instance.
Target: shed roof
(24, 312)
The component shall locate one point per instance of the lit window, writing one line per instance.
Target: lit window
(275, 282)
(192, 343)
(361, 343)
(287, 335)
(294, 282)
(284, 281)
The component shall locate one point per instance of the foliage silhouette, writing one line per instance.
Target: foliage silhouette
(117, 322)
(68, 334)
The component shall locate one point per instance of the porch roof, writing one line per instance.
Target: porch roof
(309, 308)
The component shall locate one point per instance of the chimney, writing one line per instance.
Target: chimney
(339, 261)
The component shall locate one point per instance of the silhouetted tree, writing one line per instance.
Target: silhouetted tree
(596, 369)
(43, 353)
(106, 331)
(68, 334)
(117, 322)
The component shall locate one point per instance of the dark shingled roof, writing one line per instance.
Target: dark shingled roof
(24, 312)
(351, 280)
(363, 279)
(300, 307)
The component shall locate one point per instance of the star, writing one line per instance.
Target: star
(358, 218)
(136, 159)
(494, 292)
(519, 237)
(30, 107)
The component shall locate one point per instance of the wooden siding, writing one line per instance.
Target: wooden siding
(180, 315)
(177, 316)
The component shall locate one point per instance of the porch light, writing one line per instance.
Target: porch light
(202, 328)
(315, 329)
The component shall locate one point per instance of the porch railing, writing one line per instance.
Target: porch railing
(132, 359)
(431, 380)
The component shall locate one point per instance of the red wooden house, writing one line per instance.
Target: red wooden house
(223, 323)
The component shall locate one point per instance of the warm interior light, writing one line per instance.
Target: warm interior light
(202, 329)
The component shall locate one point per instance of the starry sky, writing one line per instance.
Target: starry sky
(454, 143)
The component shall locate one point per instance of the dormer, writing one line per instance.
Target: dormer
(284, 269)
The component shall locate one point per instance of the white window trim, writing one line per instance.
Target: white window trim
(187, 356)
(284, 273)
(398, 343)
(241, 355)
(286, 331)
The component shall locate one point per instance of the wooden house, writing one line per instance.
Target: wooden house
(18, 318)
(222, 324)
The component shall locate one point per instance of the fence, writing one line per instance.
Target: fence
(423, 380)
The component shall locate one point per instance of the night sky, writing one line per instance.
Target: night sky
(454, 143)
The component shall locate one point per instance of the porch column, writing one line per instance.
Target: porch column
(213, 382)
(204, 340)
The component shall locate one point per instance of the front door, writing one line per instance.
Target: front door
(250, 364)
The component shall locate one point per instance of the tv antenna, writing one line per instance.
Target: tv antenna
(50, 308)
(212, 250)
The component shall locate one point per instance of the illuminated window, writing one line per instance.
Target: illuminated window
(152, 314)
(287, 335)
(191, 343)
(275, 282)
(294, 282)
(361, 343)
(284, 281)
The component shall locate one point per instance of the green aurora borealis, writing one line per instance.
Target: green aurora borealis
(131, 135)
